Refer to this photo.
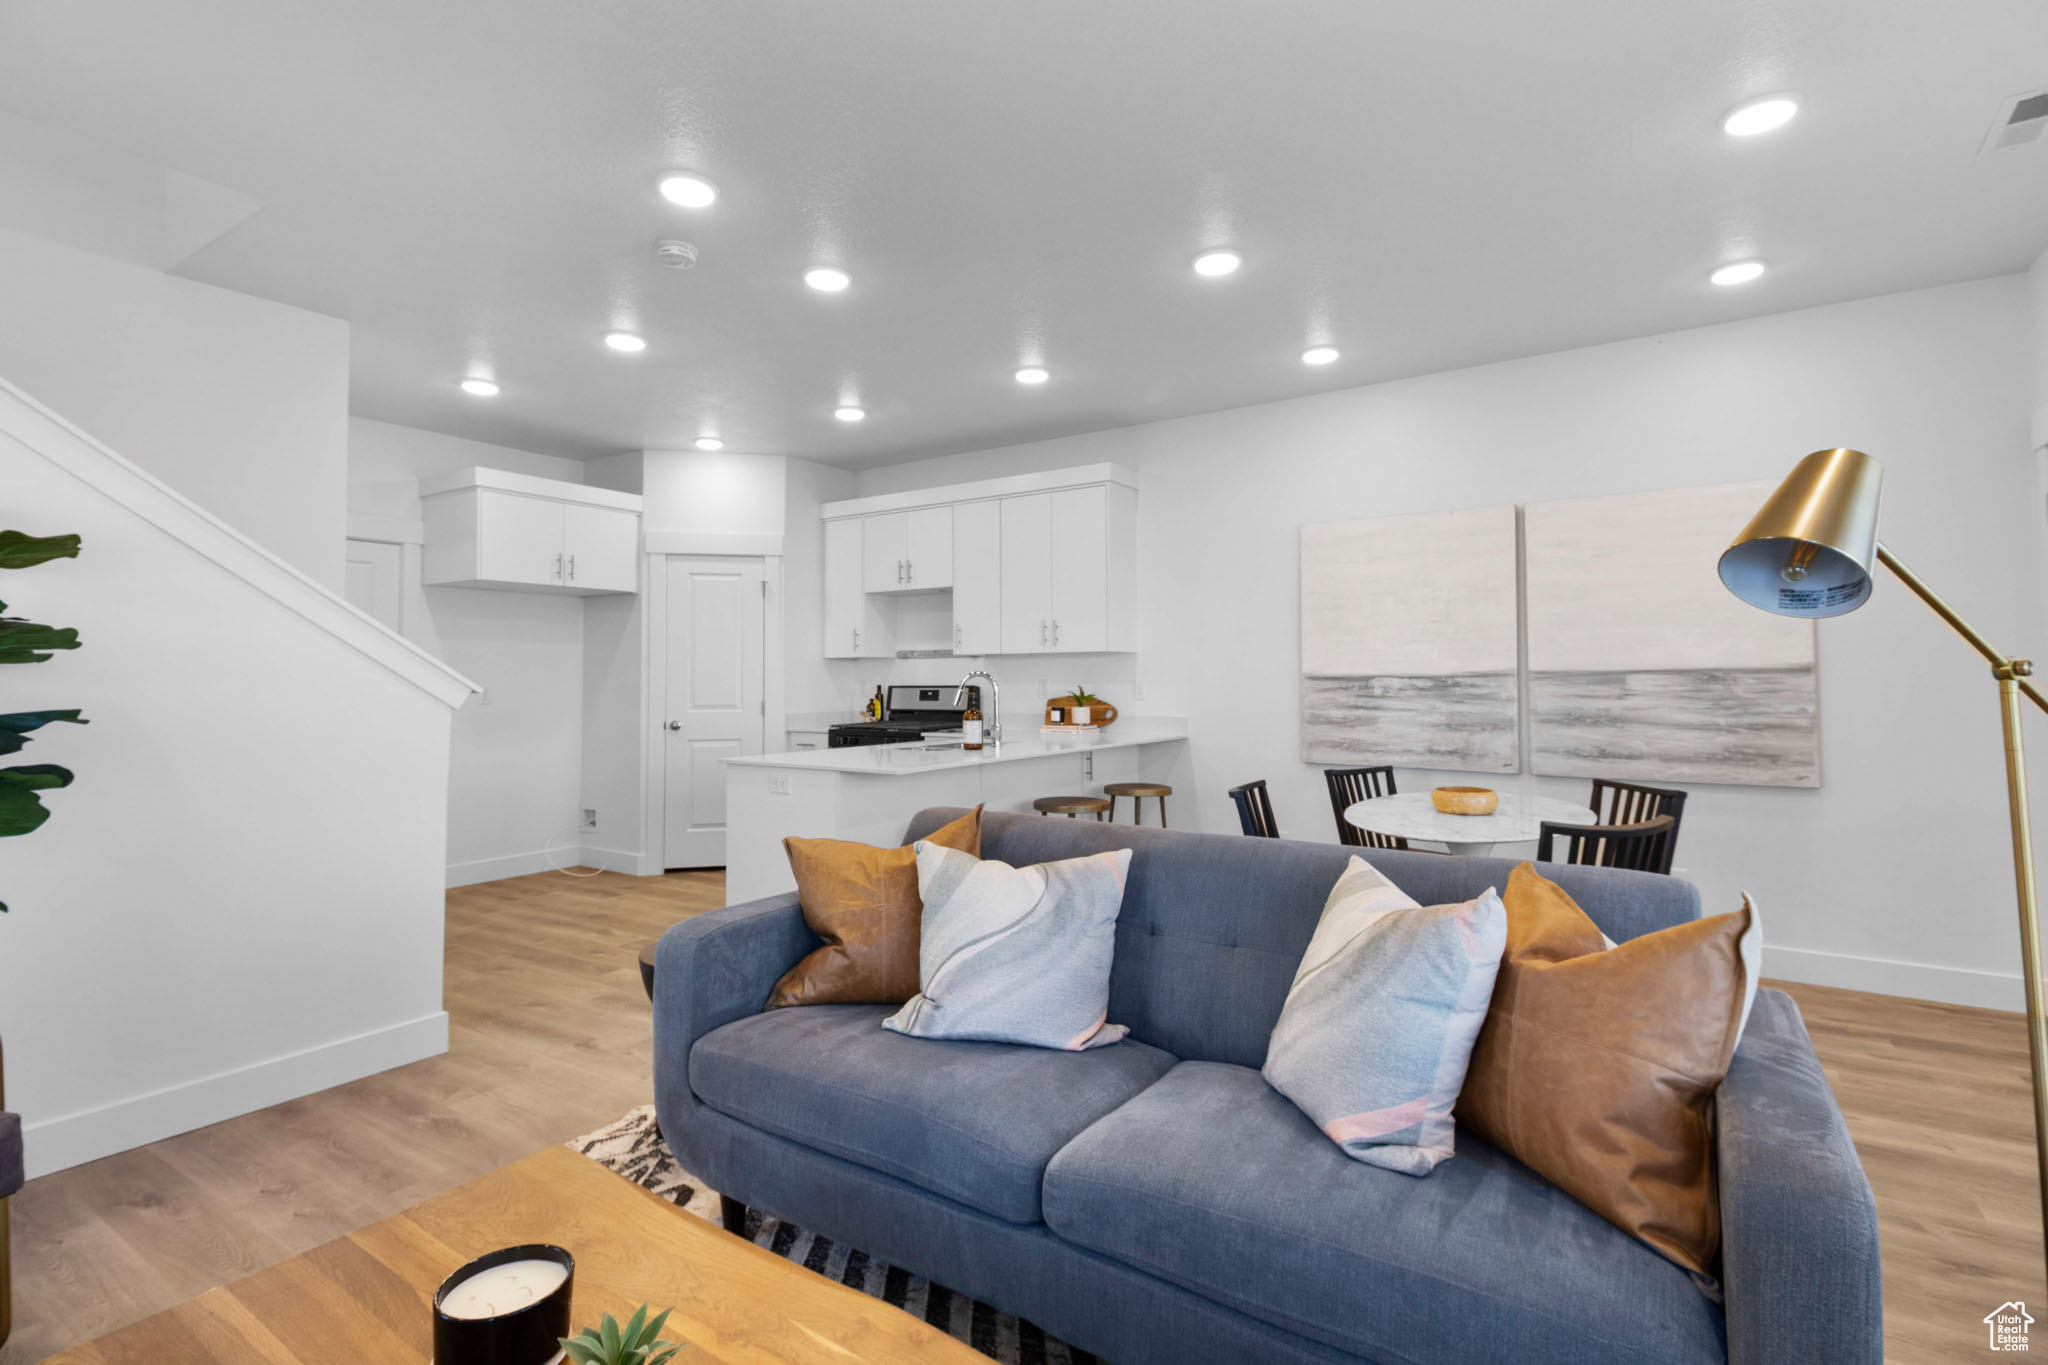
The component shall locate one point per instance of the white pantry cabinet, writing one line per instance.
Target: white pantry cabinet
(1036, 564)
(489, 528)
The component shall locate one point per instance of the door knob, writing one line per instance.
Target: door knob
(675, 725)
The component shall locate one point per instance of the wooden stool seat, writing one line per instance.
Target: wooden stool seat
(1138, 791)
(1070, 806)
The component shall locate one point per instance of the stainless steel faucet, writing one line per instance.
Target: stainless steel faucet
(991, 724)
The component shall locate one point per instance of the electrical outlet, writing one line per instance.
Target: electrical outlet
(778, 785)
(589, 817)
(1139, 692)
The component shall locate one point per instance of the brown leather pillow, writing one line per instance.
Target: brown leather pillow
(1596, 1068)
(863, 902)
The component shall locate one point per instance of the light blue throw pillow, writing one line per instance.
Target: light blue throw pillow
(1378, 1027)
(1015, 954)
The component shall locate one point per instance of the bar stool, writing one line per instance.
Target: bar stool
(1070, 806)
(1137, 791)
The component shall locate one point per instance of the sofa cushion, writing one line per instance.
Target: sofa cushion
(1212, 1180)
(975, 1122)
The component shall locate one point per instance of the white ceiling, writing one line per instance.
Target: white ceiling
(1426, 185)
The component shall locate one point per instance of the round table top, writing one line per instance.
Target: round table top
(1410, 815)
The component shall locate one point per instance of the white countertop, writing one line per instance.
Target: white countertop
(894, 760)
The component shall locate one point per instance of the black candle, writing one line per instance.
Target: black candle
(509, 1307)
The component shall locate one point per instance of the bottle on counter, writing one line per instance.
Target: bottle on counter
(875, 706)
(971, 727)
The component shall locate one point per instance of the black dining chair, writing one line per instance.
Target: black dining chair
(1255, 810)
(1348, 786)
(1643, 846)
(1626, 803)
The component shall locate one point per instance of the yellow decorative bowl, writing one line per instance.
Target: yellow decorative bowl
(1465, 800)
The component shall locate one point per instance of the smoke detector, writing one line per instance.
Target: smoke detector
(2020, 120)
(674, 254)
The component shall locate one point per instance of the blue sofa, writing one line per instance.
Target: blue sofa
(1156, 1201)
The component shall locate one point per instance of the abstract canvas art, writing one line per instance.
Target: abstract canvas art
(1642, 666)
(1408, 641)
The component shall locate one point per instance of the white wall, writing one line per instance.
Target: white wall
(516, 763)
(1894, 876)
(239, 900)
(239, 403)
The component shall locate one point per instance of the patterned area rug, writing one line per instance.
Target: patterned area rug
(634, 1149)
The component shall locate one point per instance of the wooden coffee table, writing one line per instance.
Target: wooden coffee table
(364, 1297)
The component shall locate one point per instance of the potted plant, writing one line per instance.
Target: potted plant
(1083, 709)
(610, 1344)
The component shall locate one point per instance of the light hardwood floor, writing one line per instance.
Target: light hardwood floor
(550, 1037)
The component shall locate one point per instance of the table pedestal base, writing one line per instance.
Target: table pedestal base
(1470, 850)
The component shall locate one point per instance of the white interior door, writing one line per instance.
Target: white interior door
(375, 580)
(715, 697)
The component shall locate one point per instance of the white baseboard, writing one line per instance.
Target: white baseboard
(1884, 976)
(73, 1139)
(512, 865)
(626, 860)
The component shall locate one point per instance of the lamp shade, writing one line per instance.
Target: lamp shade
(1809, 550)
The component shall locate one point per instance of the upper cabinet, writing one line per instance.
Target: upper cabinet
(1035, 564)
(488, 528)
(907, 551)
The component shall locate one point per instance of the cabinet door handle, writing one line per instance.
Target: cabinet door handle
(1055, 633)
(558, 569)
(1042, 626)
(572, 568)
(856, 638)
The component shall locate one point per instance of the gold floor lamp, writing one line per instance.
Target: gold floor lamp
(1809, 553)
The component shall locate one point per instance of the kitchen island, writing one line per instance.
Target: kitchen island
(869, 793)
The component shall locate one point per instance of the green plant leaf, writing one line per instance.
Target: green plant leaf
(19, 550)
(14, 728)
(658, 1359)
(634, 1324)
(25, 642)
(654, 1328)
(580, 1350)
(608, 1333)
(21, 810)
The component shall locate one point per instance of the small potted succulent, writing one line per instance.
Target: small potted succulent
(608, 1343)
(1083, 708)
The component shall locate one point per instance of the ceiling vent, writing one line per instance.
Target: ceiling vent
(2020, 120)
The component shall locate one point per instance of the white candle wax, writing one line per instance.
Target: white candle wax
(504, 1289)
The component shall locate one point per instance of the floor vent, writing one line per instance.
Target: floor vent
(2020, 120)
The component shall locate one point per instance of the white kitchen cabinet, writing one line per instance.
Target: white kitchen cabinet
(853, 623)
(1040, 563)
(1080, 570)
(1027, 574)
(928, 554)
(885, 542)
(978, 577)
(489, 528)
(907, 551)
(808, 739)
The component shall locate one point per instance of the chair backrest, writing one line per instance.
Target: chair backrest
(1212, 927)
(1629, 803)
(1349, 786)
(1255, 810)
(1644, 846)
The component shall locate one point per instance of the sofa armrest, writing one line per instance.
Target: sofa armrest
(712, 969)
(1799, 1254)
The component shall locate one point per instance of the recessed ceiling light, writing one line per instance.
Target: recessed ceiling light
(1216, 264)
(826, 280)
(1319, 355)
(850, 414)
(1741, 272)
(690, 191)
(1033, 374)
(480, 388)
(625, 341)
(1760, 116)
(710, 443)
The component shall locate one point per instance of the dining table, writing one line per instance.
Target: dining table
(1517, 820)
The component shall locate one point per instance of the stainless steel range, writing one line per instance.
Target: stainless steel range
(910, 712)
